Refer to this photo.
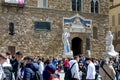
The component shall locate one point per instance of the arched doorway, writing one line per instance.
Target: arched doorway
(77, 46)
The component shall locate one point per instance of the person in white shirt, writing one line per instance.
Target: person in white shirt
(41, 65)
(75, 68)
(90, 70)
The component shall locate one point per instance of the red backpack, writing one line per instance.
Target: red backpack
(53, 76)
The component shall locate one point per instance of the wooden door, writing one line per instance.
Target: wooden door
(11, 49)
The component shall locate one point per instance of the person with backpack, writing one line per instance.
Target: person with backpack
(2, 74)
(31, 69)
(73, 71)
(66, 65)
(7, 68)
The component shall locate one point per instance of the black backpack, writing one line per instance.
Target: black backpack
(38, 75)
(8, 73)
(68, 74)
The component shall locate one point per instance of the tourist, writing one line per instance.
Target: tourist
(75, 68)
(40, 64)
(30, 68)
(82, 71)
(2, 74)
(107, 71)
(96, 63)
(9, 57)
(66, 65)
(54, 61)
(90, 70)
(7, 68)
(114, 63)
(16, 64)
(49, 69)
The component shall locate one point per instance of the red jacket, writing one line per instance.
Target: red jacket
(66, 63)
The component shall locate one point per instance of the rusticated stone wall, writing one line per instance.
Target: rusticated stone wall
(67, 5)
(50, 42)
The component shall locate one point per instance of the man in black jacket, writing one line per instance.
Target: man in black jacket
(16, 64)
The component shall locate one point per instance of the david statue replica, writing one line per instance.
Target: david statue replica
(109, 46)
(65, 39)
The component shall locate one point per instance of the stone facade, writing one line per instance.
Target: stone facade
(34, 42)
(66, 5)
(114, 23)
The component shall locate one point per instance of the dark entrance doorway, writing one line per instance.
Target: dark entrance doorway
(76, 46)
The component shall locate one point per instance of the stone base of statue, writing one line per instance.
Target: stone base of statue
(113, 53)
(69, 54)
(88, 53)
(108, 54)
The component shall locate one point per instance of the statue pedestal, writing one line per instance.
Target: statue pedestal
(108, 54)
(70, 54)
(113, 53)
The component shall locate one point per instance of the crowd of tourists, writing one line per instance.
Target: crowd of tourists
(92, 68)
(20, 67)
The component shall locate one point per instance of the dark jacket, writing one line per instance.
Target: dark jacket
(29, 71)
(84, 72)
(8, 73)
(14, 64)
(46, 74)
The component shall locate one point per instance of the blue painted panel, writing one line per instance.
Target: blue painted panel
(84, 22)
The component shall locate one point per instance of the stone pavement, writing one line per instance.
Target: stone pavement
(62, 76)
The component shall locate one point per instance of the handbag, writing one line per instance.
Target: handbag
(107, 73)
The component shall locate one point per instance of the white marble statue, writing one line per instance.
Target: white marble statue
(109, 46)
(65, 38)
(109, 39)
